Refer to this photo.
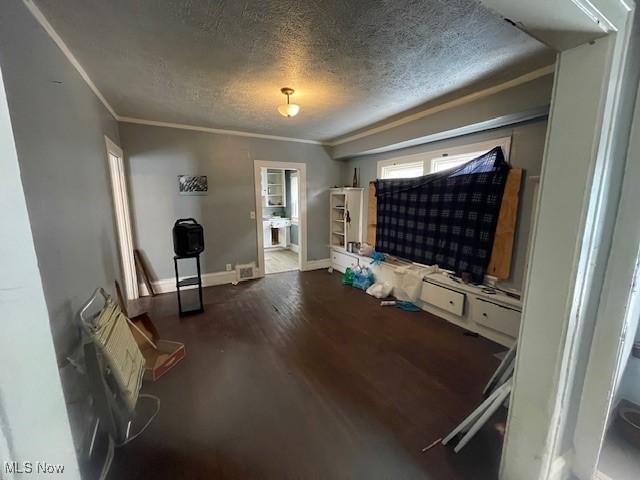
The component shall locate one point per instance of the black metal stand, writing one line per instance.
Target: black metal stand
(186, 282)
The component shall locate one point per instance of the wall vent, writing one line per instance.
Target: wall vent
(245, 272)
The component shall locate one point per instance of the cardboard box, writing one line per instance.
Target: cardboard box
(160, 355)
(161, 359)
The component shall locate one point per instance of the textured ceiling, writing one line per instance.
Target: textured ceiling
(221, 64)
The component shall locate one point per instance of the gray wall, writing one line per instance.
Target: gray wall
(156, 155)
(527, 147)
(294, 235)
(59, 127)
(27, 355)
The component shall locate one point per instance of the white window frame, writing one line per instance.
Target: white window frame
(432, 158)
(400, 163)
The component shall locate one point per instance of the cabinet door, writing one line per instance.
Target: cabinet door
(341, 261)
(267, 236)
(263, 173)
(354, 207)
(284, 189)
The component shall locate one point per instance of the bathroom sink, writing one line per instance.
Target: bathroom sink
(277, 222)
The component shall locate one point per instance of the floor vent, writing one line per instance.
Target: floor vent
(245, 272)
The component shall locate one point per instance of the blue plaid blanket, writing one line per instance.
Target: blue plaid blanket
(447, 218)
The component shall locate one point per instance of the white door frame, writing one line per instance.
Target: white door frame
(258, 165)
(617, 318)
(570, 247)
(115, 158)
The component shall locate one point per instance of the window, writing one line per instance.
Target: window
(294, 196)
(403, 170)
(439, 160)
(447, 162)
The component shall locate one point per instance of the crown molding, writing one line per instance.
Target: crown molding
(491, 124)
(44, 23)
(528, 77)
(42, 20)
(221, 131)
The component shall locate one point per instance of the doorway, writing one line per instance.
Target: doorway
(280, 216)
(280, 219)
(120, 196)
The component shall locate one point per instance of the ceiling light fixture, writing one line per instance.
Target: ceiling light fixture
(288, 109)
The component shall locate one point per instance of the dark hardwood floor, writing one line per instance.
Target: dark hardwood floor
(297, 377)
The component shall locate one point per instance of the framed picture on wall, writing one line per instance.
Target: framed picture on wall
(192, 184)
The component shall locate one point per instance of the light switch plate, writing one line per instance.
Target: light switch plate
(252, 215)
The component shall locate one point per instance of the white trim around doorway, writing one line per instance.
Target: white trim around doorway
(115, 159)
(302, 216)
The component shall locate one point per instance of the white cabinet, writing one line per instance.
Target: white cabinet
(345, 216)
(495, 316)
(266, 230)
(274, 192)
(341, 261)
(276, 232)
(443, 298)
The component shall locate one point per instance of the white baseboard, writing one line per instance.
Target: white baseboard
(316, 264)
(294, 248)
(167, 285)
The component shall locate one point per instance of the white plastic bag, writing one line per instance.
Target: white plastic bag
(408, 283)
(380, 290)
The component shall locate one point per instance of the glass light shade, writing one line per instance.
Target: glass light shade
(289, 109)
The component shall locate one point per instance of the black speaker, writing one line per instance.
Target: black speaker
(188, 237)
